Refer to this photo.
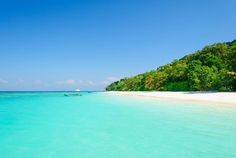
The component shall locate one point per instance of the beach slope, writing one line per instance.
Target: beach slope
(205, 97)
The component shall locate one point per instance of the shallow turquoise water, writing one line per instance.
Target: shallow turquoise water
(96, 125)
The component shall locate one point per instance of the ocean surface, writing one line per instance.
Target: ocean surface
(98, 125)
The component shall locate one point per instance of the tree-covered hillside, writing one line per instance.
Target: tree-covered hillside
(211, 69)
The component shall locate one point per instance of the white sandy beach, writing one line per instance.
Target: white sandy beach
(204, 97)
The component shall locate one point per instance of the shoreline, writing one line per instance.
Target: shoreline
(226, 98)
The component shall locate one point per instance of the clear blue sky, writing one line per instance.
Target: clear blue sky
(86, 44)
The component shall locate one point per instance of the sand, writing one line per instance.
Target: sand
(205, 97)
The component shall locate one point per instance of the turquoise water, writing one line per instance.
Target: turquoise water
(96, 125)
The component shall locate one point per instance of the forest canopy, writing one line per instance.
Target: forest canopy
(211, 69)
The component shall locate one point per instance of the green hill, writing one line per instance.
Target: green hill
(211, 69)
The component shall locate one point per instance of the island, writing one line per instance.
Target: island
(211, 69)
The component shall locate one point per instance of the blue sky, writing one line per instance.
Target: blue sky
(86, 44)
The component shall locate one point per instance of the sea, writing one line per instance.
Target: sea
(101, 125)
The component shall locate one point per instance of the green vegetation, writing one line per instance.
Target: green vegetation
(211, 69)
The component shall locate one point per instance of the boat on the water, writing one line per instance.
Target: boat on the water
(72, 95)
